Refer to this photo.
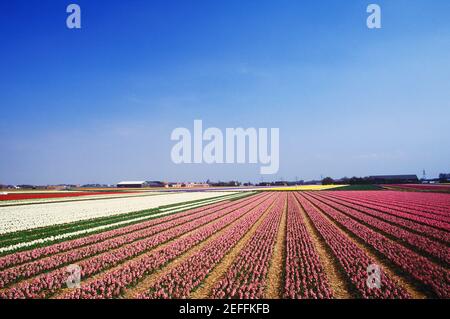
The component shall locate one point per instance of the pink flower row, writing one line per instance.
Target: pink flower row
(353, 259)
(25, 256)
(424, 187)
(305, 276)
(403, 214)
(419, 242)
(114, 283)
(422, 269)
(420, 228)
(426, 209)
(246, 277)
(27, 270)
(428, 201)
(48, 283)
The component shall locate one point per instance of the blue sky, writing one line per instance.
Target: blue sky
(99, 104)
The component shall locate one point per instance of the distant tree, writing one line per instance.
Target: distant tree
(327, 181)
(443, 178)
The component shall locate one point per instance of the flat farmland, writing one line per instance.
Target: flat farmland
(237, 245)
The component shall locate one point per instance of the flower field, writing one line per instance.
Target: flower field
(23, 196)
(441, 188)
(295, 244)
(22, 217)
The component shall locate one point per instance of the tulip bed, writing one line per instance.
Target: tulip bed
(429, 203)
(33, 254)
(21, 218)
(402, 214)
(422, 187)
(414, 240)
(46, 284)
(436, 277)
(246, 277)
(305, 277)
(235, 247)
(438, 213)
(22, 196)
(353, 260)
(114, 283)
(139, 232)
(425, 230)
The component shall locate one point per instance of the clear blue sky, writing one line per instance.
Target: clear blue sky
(99, 104)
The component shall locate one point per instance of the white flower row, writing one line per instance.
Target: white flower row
(16, 218)
(103, 227)
(75, 198)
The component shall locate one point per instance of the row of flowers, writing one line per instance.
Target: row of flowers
(416, 241)
(47, 284)
(186, 277)
(18, 258)
(437, 278)
(422, 187)
(150, 228)
(17, 218)
(247, 276)
(417, 227)
(422, 205)
(305, 276)
(19, 241)
(22, 196)
(353, 259)
(115, 283)
(403, 213)
(431, 202)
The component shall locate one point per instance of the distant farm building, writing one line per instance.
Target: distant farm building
(141, 184)
(132, 184)
(394, 179)
(157, 184)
